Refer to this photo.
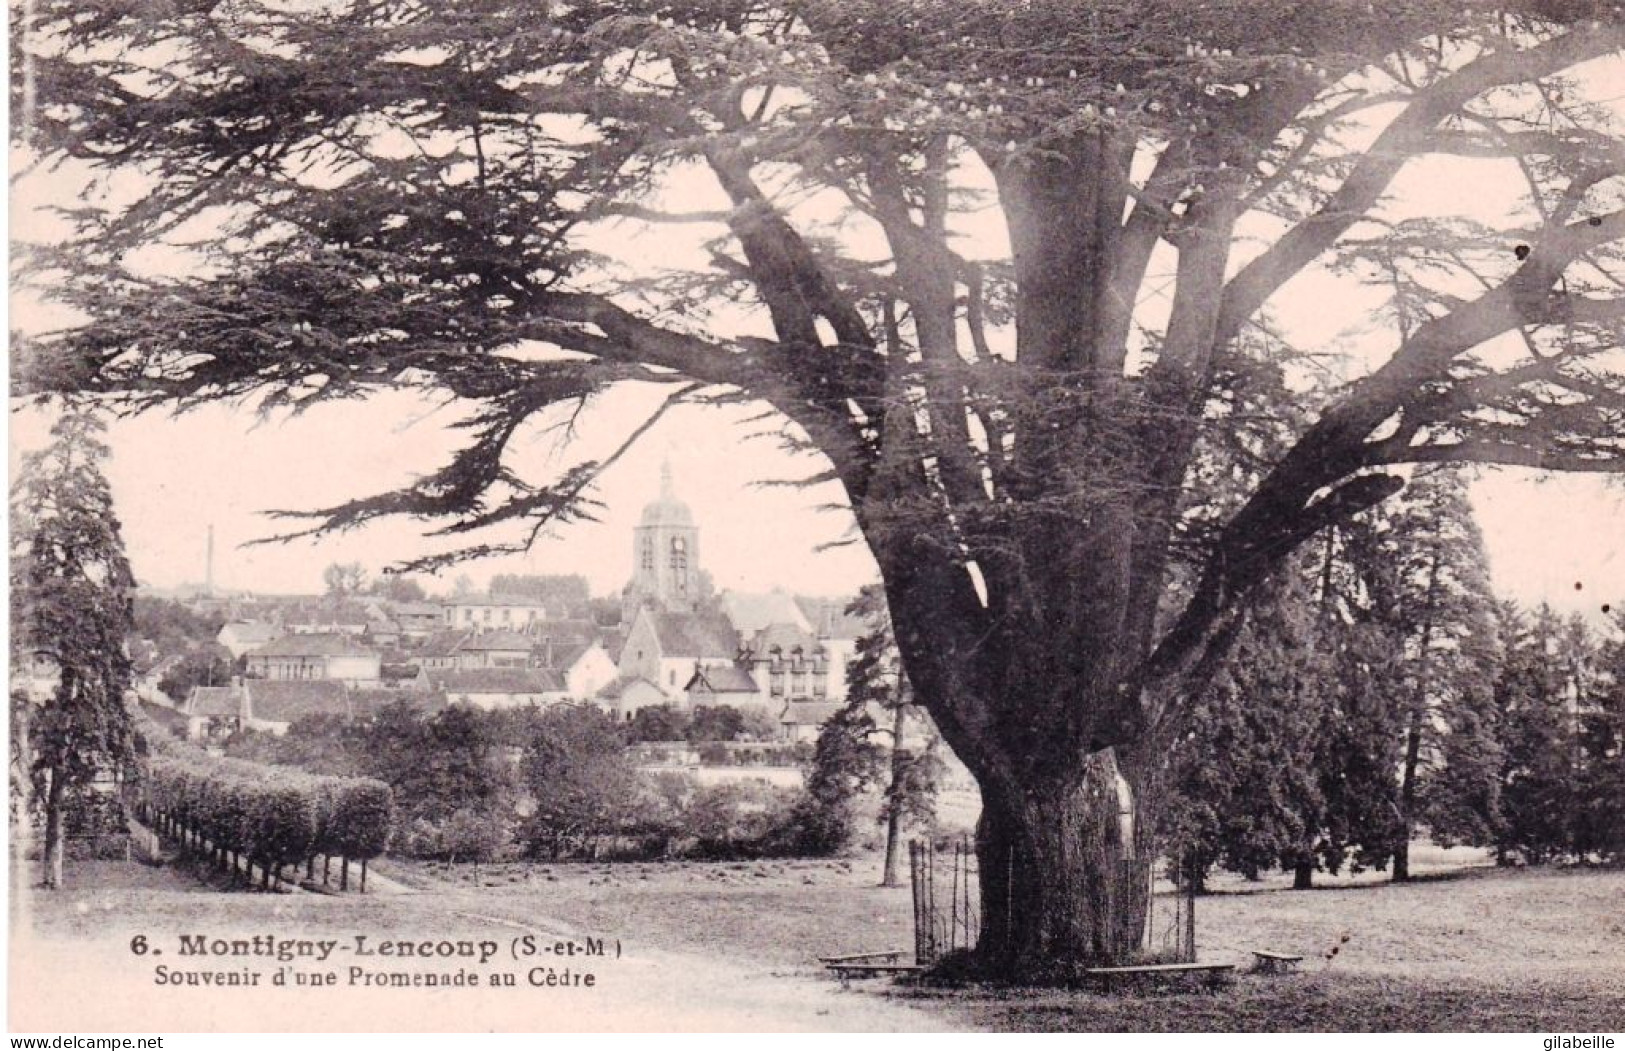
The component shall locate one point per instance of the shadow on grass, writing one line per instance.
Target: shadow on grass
(1325, 1002)
(1473, 872)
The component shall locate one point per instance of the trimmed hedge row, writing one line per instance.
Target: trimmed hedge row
(272, 815)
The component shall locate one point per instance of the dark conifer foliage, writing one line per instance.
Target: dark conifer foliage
(71, 611)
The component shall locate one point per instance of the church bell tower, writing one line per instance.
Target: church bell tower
(665, 555)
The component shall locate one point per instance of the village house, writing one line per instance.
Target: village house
(498, 688)
(724, 684)
(418, 620)
(315, 657)
(214, 713)
(750, 612)
(329, 618)
(495, 612)
(494, 649)
(667, 648)
(241, 636)
(383, 632)
(788, 664)
(627, 695)
(548, 636)
(438, 652)
(585, 668)
(801, 721)
(273, 706)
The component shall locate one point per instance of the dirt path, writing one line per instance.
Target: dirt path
(73, 969)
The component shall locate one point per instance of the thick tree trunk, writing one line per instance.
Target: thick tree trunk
(1061, 885)
(55, 833)
(1303, 875)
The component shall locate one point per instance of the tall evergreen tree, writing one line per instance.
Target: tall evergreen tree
(1535, 707)
(71, 612)
(1356, 755)
(1600, 807)
(1356, 748)
(1246, 795)
(1431, 586)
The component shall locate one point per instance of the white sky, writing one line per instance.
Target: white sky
(174, 477)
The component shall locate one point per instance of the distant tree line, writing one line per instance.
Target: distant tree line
(1378, 692)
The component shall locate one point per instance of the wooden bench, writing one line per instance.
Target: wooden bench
(1211, 974)
(1275, 962)
(889, 956)
(868, 965)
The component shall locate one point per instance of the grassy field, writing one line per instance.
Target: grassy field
(1463, 947)
(1466, 947)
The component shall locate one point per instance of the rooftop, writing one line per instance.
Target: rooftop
(695, 635)
(809, 713)
(280, 701)
(314, 645)
(212, 701)
(500, 680)
(751, 611)
(724, 678)
(498, 640)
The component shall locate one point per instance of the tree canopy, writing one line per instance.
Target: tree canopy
(1010, 268)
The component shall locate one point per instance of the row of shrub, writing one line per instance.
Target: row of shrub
(554, 783)
(272, 816)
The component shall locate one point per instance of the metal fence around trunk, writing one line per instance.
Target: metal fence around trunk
(947, 899)
(947, 905)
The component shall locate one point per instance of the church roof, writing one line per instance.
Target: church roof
(695, 635)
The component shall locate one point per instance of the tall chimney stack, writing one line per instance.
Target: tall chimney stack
(208, 565)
